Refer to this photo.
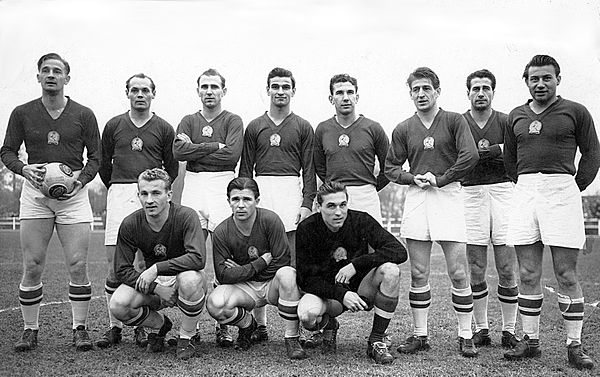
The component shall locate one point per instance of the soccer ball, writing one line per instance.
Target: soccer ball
(58, 180)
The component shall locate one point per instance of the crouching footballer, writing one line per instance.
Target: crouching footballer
(337, 272)
(171, 240)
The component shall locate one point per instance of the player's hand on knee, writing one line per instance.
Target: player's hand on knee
(353, 302)
(145, 279)
(345, 274)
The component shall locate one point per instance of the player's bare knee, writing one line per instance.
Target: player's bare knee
(216, 304)
(119, 306)
(308, 314)
(286, 276)
(191, 285)
(458, 277)
(390, 273)
(567, 280)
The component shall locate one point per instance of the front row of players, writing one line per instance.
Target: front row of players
(252, 263)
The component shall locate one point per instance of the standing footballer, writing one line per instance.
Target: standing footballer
(541, 140)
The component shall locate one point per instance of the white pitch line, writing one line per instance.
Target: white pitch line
(46, 304)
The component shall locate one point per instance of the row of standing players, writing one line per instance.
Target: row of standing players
(461, 194)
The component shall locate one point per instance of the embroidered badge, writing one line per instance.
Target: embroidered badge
(428, 143)
(53, 137)
(207, 131)
(483, 143)
(275, 140)
(137, 144)
(340, 254)
(160, 250)
(535, 127)
(253, 252)
(344, 140)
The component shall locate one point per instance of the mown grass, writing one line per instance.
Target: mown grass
(56, 357)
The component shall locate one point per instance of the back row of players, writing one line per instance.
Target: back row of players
(461, 194)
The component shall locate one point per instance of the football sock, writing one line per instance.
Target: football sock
(191, 313)
(260, 314)
(420, 299)
(384, 311)
(462, 300)
(288, 310)
(572, 312)
(530, 308)
(30, 299)
(508, 305)
(80, 296)
(139, 318)
(480, 305)
(109, 288)
(240, 318)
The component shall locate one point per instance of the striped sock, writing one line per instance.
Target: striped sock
(260, 314)
(30, 299)
(530, 308)
(109, 288)
(240, 318)
(420, 300)
(288, 310)
(509, 303)
(80, 296)
(384, 311)
(139, 318)
(480, 305)
(191, 312)
(572, 312)
(462, 300)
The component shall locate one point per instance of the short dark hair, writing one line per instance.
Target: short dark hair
(156, 174)
(53, 56)
(540, 61)
(423, 73)
(343, 77)
(212, 72)
(330, 187)
(281, 72)
(241, 183)
(482, 74)
(140, 76)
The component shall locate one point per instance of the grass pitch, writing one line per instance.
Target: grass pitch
(56, 357)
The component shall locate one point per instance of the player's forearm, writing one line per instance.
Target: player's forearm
(183, 151)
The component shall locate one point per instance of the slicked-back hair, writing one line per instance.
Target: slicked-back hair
(212, 72)
(140, 76)
(156, 174)
(342, 77)
(541, 61)
(330, 187)
(423, 73)
(53, 56)
(482, 74)
(242, 183)
(280, 72)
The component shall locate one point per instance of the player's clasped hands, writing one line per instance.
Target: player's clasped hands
(353, 302)
(424, 181)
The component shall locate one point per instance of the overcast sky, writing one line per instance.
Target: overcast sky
(379, 42)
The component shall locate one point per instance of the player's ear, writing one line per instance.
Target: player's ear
(67, 79)
(331, 100)
(257, 200)
(558, 80)
(169, 195)
(293, 92)
(224, 91)
(356, 97)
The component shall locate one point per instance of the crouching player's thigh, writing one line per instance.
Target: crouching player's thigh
(125, 302)
(310, 311)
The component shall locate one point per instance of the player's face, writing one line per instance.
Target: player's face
(243, 204)
(53, 76)
(211, 91)
(154, 197)
(140, 93)
(424, 95)
(542, 83)
(334, 210)
(481, 93)
(280, 90)
(344, 98)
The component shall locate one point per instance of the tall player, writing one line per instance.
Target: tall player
(54, 128)
(440, 151)
(346, 146)
(488, 192)
(210, 141)
(541, 140)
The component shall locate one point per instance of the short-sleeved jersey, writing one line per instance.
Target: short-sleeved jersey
(347, 155)
(267, 236)
(203, 154)
(53, 140)
(128, 150)
(283, 150)
(489, 169)
(547, 142)
(178, 246)
(322, 253)
(446, 149)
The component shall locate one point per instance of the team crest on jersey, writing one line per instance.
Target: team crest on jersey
(275, 140)
(428, 143)
(344, 140)
(207, 131)
(535, 127)
(53, 137)
(160, 250)
(137, 144)
(483, 144)
(253, 252)
(339, 254)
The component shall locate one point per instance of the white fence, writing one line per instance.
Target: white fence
(13, 223)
